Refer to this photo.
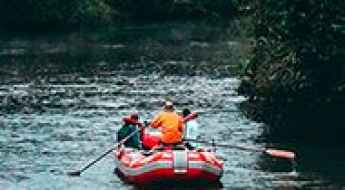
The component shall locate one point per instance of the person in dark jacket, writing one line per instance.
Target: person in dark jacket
(130, 125)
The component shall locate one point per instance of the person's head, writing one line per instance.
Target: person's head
(185, 112)
(168, 106)
(134, 116)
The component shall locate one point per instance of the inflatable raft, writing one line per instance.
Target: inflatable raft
(167, 165)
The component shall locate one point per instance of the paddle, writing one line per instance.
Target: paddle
(272, 152)
(78, 172)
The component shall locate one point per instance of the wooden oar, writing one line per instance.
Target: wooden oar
(78, 172)
(272, 152)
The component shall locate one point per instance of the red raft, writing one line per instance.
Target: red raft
(168, 165)
(182, 165)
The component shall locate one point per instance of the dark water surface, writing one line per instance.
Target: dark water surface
(63, 96)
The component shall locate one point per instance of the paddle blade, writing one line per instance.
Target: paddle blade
(281, 153)
(74, 173)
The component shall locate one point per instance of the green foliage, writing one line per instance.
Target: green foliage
(298, 65)
(102, 12)
(91, 12)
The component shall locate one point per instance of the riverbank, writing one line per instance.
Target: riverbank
(295, 80)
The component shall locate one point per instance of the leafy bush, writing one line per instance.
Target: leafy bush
(297, 75)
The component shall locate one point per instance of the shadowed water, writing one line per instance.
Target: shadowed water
(63, 97)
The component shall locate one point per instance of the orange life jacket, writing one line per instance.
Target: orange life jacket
(170, 125)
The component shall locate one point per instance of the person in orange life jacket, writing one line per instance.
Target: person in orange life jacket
(131, 123)
(170, 125)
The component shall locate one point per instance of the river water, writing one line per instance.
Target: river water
(63, 97)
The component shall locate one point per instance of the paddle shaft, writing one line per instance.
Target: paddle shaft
(227, 145)
(271, 152)
(105, 153)
(96, 160)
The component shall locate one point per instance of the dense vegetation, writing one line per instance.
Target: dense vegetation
(296, 80)
(19, 13)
